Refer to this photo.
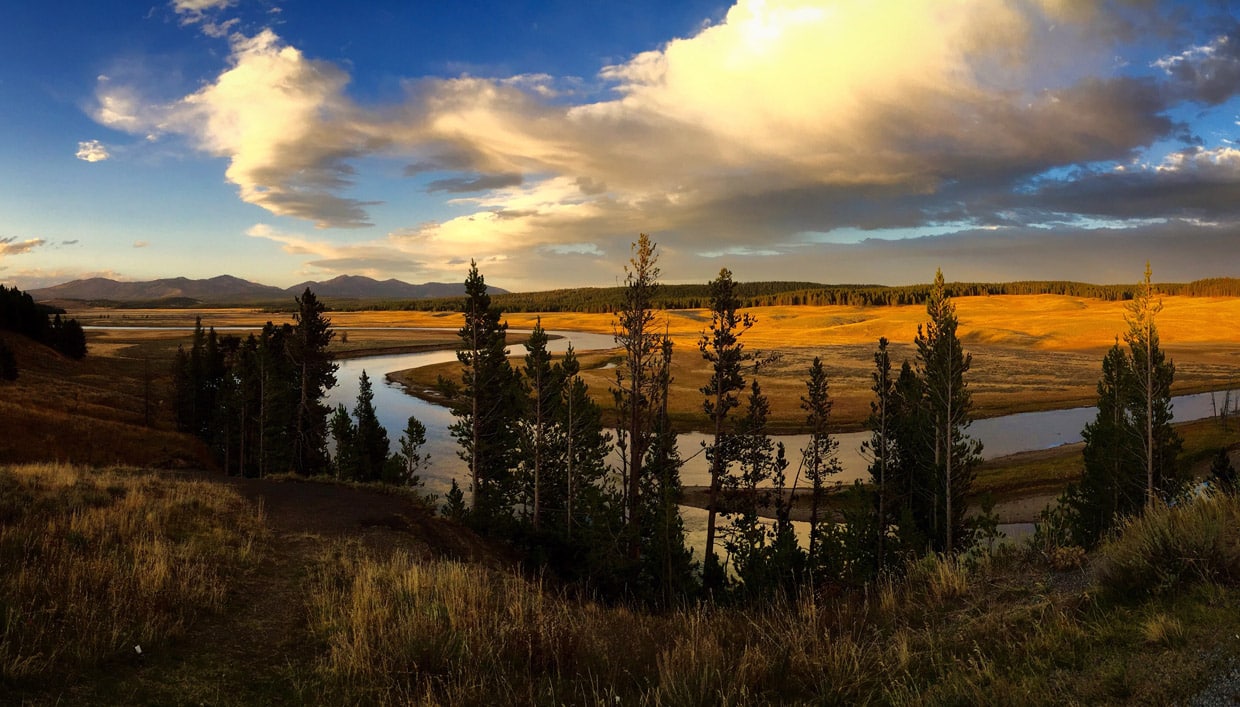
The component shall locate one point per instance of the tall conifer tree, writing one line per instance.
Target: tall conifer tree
(722, 349)
(316, 374)
(637, 378)
(488, 403)
(943, 365)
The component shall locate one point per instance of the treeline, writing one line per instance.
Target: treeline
(766, 294)
(539, 475)
(258, 404)
(19, 313)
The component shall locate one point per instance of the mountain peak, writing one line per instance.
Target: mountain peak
(228, 289)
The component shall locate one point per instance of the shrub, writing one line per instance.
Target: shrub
(1175, 545)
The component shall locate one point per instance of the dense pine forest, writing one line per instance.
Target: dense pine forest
(19, 313)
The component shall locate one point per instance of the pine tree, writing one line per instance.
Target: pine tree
(544, 386)
(721, 348)
(1111, 485)
(344, 437)
(942, 365)
(71, 339)
(316, 375)
(1130, 447)
(585, 445)
(278, 395)
(764, 559)
(882, 447)
(1223, 473)
(910, 471)
(819, 456)
(372, 444)
(1152, 374)
(488, 403)
(636, 378)
(666, 565)
(411, 458)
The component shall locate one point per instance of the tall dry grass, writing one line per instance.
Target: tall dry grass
(950, 632)
(96, 562)
(397, 631)
(1165, 548)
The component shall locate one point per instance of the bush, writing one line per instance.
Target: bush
(1175, 545)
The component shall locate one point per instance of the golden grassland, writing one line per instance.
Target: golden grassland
(95, 562)
(1030, 352)
(94, 411)
(1048, 322)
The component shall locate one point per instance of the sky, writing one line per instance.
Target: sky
(834, 141)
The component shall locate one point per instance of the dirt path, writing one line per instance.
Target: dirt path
(254, 650)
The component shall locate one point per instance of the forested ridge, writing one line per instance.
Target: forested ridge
(780, 293)
(19, 313)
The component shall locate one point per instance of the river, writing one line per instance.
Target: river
(1000, 436)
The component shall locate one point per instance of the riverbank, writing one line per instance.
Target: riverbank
(1017, 510)
(1022, 485)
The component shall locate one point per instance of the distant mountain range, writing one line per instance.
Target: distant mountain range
(233, 290)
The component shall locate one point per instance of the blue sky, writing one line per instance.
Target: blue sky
(829, 140)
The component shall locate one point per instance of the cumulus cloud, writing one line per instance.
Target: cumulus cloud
(11, 246)
(280, 119)
(92, 151)
(786, 117)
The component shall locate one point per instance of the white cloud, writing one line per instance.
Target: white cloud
(140, 244)
(1223, 161)
(92, 151)
(193, 11)
(785, 117)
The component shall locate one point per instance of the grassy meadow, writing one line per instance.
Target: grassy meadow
(96, 562)
(99, 565)
(1030, 352)
(237, 602)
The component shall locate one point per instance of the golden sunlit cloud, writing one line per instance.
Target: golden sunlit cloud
(787, 117)
(12, 246)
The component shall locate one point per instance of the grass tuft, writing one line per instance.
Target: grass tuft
(1165, 548)
(1162, 630)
